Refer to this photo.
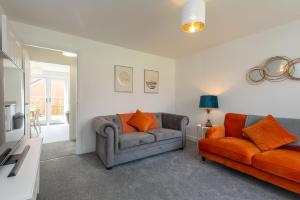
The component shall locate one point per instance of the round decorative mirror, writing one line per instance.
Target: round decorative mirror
(294, 69)
(276, 68)
(256, 75)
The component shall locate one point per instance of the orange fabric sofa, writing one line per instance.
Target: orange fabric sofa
(228, 146)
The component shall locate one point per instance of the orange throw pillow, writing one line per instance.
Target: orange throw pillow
(124, 118)
(140, 121)
(154, 124)
(267, 134)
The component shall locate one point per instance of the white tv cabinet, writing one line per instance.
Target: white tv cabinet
(24, 186)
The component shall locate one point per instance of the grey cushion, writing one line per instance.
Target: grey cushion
(165, 134)
(135, 139)
(291, 125)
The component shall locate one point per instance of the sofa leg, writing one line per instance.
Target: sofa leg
(109, 168)
(203, 159)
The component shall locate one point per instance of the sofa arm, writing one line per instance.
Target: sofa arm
(107, 139)
(100, 125)
(176, 122)
(215, 132)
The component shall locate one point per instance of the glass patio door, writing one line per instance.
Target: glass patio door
(49, 95)
(38, 98)
(57, 100)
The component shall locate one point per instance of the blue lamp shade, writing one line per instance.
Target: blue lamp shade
(209, 101)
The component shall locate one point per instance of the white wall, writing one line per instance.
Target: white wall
(221, 71)
(95, 78)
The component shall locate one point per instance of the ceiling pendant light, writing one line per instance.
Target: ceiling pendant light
(193, 16)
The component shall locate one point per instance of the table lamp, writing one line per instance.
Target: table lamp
(208, 102)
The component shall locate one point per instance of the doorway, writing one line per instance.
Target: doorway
(53, 100)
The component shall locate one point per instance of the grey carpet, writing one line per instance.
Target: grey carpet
(178, 175)
(57, 150)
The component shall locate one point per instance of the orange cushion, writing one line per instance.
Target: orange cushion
(267, 134)
(124, 118)
(140, 121)
(154, 124)
(236, 149)
(126, 128)
(234, 124)
(284, 163)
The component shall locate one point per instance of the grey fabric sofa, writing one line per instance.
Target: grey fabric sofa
(114, 148)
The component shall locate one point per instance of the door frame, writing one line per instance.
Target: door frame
(75, 81)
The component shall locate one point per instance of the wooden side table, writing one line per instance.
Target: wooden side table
(201, 130)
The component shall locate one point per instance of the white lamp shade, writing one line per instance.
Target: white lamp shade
(193, 16)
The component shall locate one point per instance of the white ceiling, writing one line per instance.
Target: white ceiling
(153, 26)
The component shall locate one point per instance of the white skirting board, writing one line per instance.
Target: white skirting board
(25, 185)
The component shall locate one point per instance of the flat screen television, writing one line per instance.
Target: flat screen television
(12, 108)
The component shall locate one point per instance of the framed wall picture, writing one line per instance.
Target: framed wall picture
(151, 81)
(123, 79)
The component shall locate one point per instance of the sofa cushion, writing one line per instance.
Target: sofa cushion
(289, 124)
(236, 149)
(124, 118)
(164, 133)
(126, 128)
(154, 124)
(281, 162)
(234, 124)
(135, 139)
(141, 121)
(267, 134)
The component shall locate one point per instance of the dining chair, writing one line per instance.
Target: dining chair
(34, 121)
